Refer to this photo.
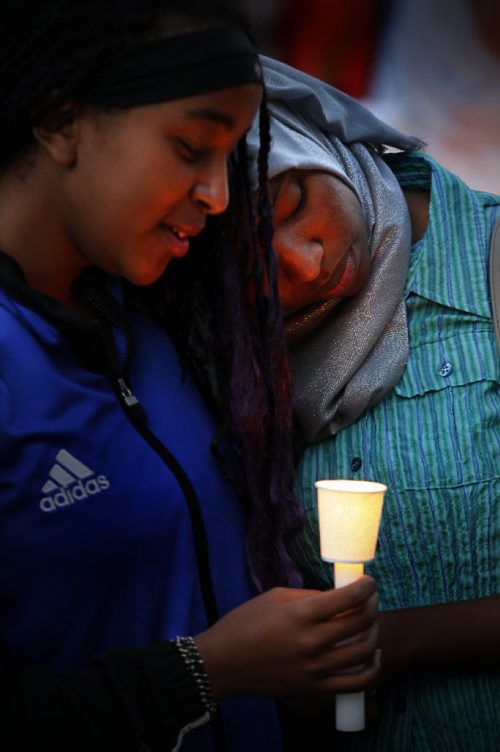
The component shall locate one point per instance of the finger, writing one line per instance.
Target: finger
(353, 623)
(319, 640)
(364, 679)
(348, 657)
(331, 603)
(358, 652)
(284, 595)
(315, 641)
(371, 631)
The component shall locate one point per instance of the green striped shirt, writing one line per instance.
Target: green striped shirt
(435, 442)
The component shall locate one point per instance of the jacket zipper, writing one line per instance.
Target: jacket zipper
(130, 403)
(137, 417)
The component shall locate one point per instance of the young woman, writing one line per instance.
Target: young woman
(383, 275)
(133, 527)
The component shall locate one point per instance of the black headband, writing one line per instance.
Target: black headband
(176, 67)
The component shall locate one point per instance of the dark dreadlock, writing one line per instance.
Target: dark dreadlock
(225, 314)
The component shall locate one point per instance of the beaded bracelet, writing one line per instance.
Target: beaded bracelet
(194, 664)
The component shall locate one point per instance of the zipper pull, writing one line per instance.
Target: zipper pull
(130, 400)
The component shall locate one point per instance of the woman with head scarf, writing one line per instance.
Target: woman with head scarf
(383, 277)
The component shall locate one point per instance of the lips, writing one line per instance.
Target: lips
(344, 283)
(177, 237)
(176, 246)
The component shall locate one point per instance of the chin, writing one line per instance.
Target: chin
(145, 277)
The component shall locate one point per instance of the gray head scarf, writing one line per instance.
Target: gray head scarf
(350, 359)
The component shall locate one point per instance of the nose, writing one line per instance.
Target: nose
(211, 192)
(300, 259)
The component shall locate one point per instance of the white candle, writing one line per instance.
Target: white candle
(349, 517)
(344, 574)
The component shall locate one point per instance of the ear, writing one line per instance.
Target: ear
(58, 135)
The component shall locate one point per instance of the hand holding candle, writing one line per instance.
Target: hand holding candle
(349, 514)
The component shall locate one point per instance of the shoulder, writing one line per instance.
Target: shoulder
(416, 170)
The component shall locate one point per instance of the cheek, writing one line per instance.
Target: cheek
(122, 178)
(338, 229)
(132, 202)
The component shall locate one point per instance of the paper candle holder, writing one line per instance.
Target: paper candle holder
(349, 517)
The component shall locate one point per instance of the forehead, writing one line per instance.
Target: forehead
(230, 109)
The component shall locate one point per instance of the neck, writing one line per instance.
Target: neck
(418, 207)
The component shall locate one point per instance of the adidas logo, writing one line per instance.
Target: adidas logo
(70, 481)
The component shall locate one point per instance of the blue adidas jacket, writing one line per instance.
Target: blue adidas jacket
(105, 521)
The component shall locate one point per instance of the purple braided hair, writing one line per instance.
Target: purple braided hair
(227, 319)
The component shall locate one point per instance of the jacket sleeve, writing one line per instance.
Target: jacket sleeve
(125, 700)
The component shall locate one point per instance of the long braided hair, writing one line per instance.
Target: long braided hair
(225, 312)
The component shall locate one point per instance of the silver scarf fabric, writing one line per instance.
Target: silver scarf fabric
(344, 362)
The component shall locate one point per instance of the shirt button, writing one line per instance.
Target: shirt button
(356, 464)
(445, 369)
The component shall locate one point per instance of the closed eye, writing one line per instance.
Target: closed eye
(302, 199)
(190, 153)
(289, 196)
